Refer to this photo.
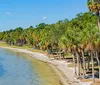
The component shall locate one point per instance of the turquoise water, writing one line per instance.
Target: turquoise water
(16, 70)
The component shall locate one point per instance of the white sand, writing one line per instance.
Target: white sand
(60, 66)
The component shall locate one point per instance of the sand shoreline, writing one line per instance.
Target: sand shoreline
(61, 68)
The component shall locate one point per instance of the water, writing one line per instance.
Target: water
(17, 70)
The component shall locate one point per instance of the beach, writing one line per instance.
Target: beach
(60, 67)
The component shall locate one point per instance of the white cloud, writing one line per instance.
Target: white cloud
(45, 17)
(8, 13)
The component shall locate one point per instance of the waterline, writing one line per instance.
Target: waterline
(34, 72)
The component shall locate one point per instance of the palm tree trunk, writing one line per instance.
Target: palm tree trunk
(78, 64)
(99, 23)
(92, 67)
(84, 68)
(98, 62)
(74, 63)
(89, 56)
(88, 64)
(58, 56)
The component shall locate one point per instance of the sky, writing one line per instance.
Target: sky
(25, 13)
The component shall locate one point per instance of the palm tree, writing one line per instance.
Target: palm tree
(94, 7)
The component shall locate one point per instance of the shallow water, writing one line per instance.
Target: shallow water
(17, 70)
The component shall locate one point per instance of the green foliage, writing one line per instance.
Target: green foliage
(94, 6)
(62, 35)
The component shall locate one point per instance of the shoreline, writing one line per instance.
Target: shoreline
(60, 67)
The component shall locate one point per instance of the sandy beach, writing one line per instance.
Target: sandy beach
(61, 68)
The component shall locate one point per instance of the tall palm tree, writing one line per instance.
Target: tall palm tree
(94, 7)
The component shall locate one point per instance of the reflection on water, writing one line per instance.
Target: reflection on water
(16, 70)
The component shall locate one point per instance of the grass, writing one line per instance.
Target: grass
(3, 44)
(70, 65)
(22, 47)
(68, 55)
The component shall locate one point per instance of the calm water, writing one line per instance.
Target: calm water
(17, 70)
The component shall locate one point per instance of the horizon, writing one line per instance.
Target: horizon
(30, 13)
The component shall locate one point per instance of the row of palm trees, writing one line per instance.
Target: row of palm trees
(94, 7)
(77, 36)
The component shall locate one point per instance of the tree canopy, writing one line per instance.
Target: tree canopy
(59, 35)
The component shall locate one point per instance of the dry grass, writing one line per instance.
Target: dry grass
(70, 65)
(96, 83)
(86, 80)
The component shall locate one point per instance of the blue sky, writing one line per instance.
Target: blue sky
(25, 13)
